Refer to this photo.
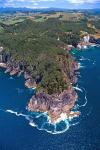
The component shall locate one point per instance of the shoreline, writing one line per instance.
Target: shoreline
(65, 100)
(54, 116)
(56, 113)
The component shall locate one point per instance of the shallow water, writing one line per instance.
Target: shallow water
(19, 130)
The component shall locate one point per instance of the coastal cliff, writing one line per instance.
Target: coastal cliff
(45, 100)
(33, 50)
(55, 105)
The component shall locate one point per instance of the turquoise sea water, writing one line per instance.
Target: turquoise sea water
(20, 130)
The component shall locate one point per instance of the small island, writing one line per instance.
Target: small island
(39, 48)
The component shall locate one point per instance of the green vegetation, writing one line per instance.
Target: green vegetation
(36, 44)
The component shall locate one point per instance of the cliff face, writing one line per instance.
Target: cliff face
(61, 101)
(46, 64)
(55, 104)
(61, 75)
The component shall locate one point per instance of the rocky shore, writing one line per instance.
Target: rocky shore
(88, 40)
(56, 105)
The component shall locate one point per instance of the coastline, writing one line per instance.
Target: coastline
(71, 114)
(57, 106)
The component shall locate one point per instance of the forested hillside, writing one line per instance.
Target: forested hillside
(42, 47)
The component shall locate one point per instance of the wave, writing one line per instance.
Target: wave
(85, 97)
(55, 128)
(82, 66)
(93, 62)
(41, 114)
(78, 89)
(85, 102)
(32, 123)
(74, 124)
(84, 59)
(16, 113)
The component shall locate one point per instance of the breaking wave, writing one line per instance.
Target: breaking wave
(85, 98)
(41, 121)
(84, 59)
(78, 89)
(81, 66)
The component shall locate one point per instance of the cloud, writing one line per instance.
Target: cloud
(50, 3)
(82, 1)
(22, 3)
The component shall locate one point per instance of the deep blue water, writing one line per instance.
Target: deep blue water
(17, 134)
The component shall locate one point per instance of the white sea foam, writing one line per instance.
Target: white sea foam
(10, 111)
(84, 59)
(74, 124)
(55, 128)
(31, 123)
(15, 113)
(86, 100)
(27, 117)
(41, 114)
(76, 106)
(78, 89)
(93, 45)
(82, 66)
(63, 118)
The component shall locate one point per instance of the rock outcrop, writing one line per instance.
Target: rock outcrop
(55, 104)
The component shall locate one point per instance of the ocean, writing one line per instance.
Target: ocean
(22, 130)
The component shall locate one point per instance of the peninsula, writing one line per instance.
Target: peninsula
(38, 46)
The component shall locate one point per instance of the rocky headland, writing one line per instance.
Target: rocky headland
(57, 104)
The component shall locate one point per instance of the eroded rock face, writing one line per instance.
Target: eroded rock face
(55, 104)
(30, 83)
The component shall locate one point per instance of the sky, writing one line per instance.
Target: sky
(67, 4)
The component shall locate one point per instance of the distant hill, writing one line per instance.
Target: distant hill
(14, 10)
(46, 10)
